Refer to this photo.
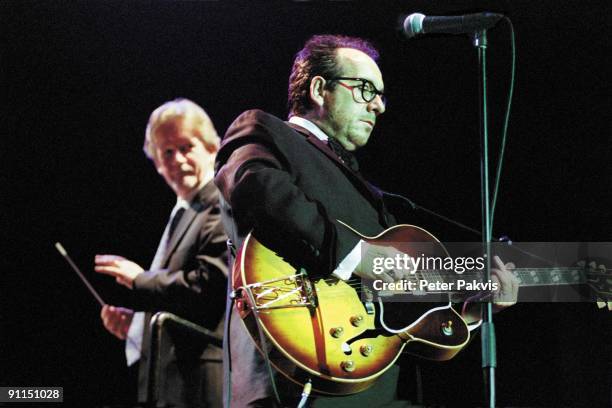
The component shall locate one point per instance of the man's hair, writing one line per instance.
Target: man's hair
(180, 109)
(318, 58)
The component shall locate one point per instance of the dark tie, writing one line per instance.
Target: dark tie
(347, 157)
(175, 220)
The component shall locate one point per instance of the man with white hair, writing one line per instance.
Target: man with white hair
(189, 272)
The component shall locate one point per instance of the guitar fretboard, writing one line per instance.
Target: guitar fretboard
(526, 276)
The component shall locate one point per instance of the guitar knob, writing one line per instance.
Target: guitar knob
(336, 332)
(348, 366)
(357, 320)
(366, 350)
(447, 328)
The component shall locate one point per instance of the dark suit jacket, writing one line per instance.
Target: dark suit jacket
(289, 188)
(188, 277)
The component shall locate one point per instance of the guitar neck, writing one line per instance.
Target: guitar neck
(550, 276)
(526, 276)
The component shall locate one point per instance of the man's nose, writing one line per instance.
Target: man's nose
(377, 105)
(179, 157)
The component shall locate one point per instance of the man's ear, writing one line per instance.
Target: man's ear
(317, 90)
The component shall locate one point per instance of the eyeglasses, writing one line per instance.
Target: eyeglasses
(367, 88)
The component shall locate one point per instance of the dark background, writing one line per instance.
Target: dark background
(79, 81)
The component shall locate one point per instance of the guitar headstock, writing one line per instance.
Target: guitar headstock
(599, 279)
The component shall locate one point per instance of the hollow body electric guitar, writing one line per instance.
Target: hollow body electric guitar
(327, 332)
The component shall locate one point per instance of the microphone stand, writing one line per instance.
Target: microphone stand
(488, 345)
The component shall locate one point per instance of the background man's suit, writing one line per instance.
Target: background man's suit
(188, 277)
(287, 186)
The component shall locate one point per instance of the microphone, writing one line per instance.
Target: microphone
(417, 23)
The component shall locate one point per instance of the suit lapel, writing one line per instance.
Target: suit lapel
(319, 144)
(182, 227)
(202, 200)
(369, 190)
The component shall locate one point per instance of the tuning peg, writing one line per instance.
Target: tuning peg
(581, 264)
(610, 306)
(593, 265)
(600, 303)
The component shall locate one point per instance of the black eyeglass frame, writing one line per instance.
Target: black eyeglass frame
(361, 87)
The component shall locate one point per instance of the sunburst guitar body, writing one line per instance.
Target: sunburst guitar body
(320, 330)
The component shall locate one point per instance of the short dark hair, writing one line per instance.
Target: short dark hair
(318, 58)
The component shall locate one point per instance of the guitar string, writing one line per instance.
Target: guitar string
(357, 283)
(426, 291)
(417, 277)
